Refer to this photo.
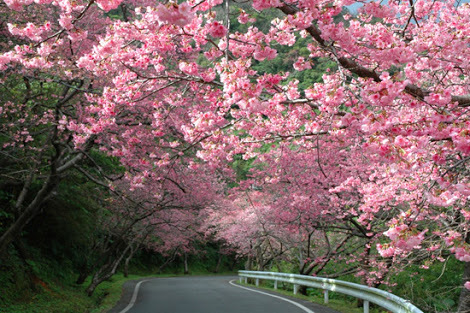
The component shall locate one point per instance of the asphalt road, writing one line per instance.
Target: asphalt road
(207, 295)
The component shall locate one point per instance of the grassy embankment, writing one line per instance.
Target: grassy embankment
(40, 284)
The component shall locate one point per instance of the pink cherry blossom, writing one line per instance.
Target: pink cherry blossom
(265, 53)
(467, 285)
(244, 18)
(216, 29)
(107, 5)
(301, 64)
(173, 13)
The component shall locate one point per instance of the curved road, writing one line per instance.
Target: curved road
(207, 295)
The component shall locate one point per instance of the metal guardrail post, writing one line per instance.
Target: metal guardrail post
(275, 285)
(380, 297)
(366, 306)
(325, 296)
(246, 280)
(296, 289)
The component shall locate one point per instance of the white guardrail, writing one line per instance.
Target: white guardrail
(382, 298)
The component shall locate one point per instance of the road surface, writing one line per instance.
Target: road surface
(214, 294)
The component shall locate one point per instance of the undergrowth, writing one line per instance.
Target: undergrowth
(45, 286)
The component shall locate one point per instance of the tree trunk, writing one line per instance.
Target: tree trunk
(24, 254)
(219, 262)
(95, 281)
(83, 273)
(58, 167)
(28, 214)
(464, 300)
(129, 257)
(233, 264)
(186, 268)
(168, 261)
(126, 267)
(81, 278)
(105, 272)
(302, 290)
(248, 264)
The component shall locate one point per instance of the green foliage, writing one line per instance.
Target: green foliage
(436, 288)
(65, 229)
(38, 284)
(287, 55)
(241, 167)
(202, 263)
(6, 216)
(43, 285)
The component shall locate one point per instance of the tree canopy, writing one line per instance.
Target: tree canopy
(274, 125)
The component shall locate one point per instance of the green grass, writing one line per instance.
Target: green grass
(58, 298)
(110, 291)
(45, 285)
(338, 302)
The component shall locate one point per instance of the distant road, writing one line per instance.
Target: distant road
(213, 294)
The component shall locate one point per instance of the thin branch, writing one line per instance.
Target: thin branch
(361, 71)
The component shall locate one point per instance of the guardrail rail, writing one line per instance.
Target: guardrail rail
(380, 297)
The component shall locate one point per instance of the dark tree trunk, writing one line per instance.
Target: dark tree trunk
(219, 263)
(126, 267)
(186, 268)
(81, 278)
(28, 213)
(168, 261)
(83, 273)
(128, 259)
(22, 250)
(95, 281)
(464, 300)
(302, 290)
(58, 167)
(248, 264)
(106, 271)
(233, 264)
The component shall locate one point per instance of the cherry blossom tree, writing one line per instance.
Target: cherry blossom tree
(399, 94)
(384, 135)
(163, 217)
(42, 91)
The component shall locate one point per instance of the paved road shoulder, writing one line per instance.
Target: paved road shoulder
(126, 295)
(317, 308)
